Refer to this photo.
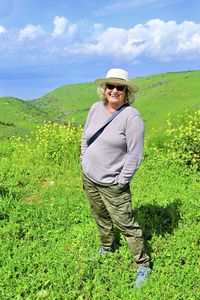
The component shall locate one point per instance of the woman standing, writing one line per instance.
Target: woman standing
(109, 160)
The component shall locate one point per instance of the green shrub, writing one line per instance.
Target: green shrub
(56, 142)
(25, 162)
(183, 143)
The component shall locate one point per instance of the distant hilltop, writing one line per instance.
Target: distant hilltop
(159, 96)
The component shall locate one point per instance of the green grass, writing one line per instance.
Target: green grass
(48, 235)
(170, 93)
(18, 117)
(159, 96)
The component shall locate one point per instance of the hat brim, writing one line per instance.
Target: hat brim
(133, 87)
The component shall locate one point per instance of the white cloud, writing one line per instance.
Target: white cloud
(30, 32)
(158, 39)
(191, 45)
(2, 29)
(109, 41)
(189, 37)
(163, 41)
(63, 27)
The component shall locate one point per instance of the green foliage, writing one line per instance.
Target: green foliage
(48, 235)
(179, 143)
(183, 135)
(57, 143)
(18, 117)
(158, 96)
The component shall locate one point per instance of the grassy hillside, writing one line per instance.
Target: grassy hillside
(18, 117)
(48, 235)
(171, 93)
(68, 102)
(159, 96)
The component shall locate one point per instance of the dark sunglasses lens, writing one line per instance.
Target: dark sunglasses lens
(110, 86)
(119, 88)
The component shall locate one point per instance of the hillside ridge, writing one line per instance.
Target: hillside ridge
(159, 95)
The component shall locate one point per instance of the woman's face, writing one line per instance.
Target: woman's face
(115, 94)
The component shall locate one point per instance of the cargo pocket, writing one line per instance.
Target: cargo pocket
(118, 189)
(120, 194)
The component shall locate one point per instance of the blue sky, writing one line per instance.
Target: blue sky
(46, 43)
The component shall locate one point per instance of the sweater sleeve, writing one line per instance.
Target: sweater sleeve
(84, 139)
(135, 144)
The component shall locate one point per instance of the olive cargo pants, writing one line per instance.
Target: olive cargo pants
(111, 206)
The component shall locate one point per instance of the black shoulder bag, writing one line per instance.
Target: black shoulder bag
(95, 136)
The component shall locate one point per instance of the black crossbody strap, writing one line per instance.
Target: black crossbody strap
(95, 136)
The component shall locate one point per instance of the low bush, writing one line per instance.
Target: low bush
(179, 143)
(183, 139)
(57, 143)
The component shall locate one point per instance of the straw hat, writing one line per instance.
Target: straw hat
(118, 76)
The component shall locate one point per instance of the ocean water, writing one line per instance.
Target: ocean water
(27, 88)
(28, 83)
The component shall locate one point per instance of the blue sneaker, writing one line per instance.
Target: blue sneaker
(102, 252)
(142, 275)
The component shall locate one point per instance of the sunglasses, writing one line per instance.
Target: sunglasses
(119, 88)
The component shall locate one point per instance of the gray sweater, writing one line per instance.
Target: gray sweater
(117, 153)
